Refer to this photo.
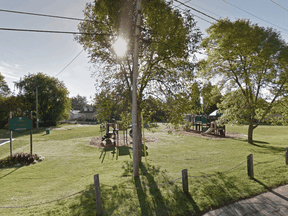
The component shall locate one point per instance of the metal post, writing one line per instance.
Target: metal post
(134, 94)
(37, 109)
(11, 133)
(31, 134)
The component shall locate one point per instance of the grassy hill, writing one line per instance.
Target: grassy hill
(70, 163)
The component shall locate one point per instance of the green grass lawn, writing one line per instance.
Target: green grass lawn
(70, 164)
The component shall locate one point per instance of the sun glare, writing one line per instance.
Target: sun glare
(120, 47)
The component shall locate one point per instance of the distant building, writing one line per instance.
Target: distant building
(88, 113)
(74, 114)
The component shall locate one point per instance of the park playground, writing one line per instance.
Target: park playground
(62, 184)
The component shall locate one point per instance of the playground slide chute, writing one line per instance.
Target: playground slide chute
(209, 131)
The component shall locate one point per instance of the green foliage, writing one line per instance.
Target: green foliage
(211, 97)
(53, 101)
(4, 88)
(168, 42)
(78, 102)
(126, 120)
(15, 104)
(251, 60)
(108, 106)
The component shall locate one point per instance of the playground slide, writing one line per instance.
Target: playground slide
(209, 131)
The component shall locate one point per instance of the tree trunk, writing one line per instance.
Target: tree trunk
(250, 132)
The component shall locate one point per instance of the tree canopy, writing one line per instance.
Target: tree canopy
(78, 102)
(4, 88)
(53, 101)
(251, 63)
(168, 42)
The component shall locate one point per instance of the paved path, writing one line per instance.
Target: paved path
(4, 141)
(274, 202)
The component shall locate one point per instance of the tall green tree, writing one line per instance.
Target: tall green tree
(78, 102)
(251, 62)
(4, 88)
(211, 96)
(169, 40)
(53, 101)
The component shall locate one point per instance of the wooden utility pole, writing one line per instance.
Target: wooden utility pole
(135, 125)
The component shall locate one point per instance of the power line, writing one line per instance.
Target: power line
(189, 1)
(48, 31)
(195, 15)
(69, 63)
(214, 19)
(197, 10)
(279, 5)
(253, 15)
(44, 15)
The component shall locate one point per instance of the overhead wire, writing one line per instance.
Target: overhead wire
(44, 15)
(279, 5)
(194, 14)
(254, 15)
(51, 31)
(196, 10)
(69, 63)
(189, 1)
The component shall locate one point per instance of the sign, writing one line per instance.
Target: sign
(20, 124)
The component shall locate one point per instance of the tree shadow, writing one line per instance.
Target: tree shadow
(138, 196)
(264, 145)
(270, 190)
(158, 200)
(271, 149)
(260, 142)
(9, 172)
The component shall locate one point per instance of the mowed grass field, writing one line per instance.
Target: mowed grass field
(70, 164)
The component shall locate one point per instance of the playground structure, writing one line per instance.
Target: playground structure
(113, 133)
(207, 124)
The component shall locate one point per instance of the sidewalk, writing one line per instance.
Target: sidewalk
(274, 202)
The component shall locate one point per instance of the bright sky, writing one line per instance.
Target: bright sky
(25, 52)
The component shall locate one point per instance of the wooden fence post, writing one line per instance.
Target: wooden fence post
(250, 166)
(185, 180)
(286, 156)
(98, 194)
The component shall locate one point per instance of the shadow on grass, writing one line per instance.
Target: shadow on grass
(270, 190)
(146, 195)
(260, 142)
(115, 151)
(138, 196)
(271, 149)
(264, 146)
(9, 172)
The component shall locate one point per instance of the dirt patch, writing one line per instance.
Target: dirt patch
(228, 135)
(111, 143)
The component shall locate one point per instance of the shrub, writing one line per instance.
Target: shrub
(18, 158)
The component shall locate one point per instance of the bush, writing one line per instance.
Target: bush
(19, 158)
